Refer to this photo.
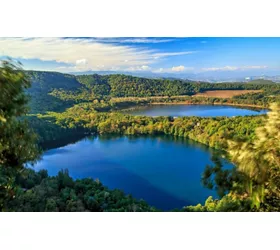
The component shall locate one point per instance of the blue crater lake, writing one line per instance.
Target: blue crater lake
(194, 110)
(165, 171)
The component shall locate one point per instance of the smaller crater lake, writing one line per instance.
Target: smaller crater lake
(165, 171)
(177, 110)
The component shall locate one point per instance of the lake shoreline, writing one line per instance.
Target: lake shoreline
(217, 104)
(95, 157)
(136, 107)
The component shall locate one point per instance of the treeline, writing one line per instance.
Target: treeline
(125, 86)
(81, 119)
(254, 100)
(43, 83)
(51, 91)
(263, 99)
(254, 183)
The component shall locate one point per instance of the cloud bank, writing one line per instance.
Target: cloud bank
(81, 54)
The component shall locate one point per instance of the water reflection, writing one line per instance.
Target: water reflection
(194, 110)
(163, 170)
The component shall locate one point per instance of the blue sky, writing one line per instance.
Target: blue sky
(157, 55)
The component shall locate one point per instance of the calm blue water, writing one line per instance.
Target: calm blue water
(164, 171)
(193, 110)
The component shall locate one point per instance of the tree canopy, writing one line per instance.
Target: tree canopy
(254, 184)
(17, 141)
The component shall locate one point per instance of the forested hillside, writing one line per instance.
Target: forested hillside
(51, 91)
(43, 83)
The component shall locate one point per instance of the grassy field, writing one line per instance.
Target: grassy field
(225, 93)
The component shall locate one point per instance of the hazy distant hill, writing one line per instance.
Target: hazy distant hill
(144, 74)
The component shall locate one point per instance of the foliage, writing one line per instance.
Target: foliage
(52, 91)
(83, 118)
(227, 203)
(43, 83)
(259, 160)
(42, 193)
(17, 140)
(254, 185)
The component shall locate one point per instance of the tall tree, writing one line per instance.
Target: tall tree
(254, 184)
(17, 141)
(259, 161)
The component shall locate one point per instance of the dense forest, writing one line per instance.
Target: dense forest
(42, 193)
(22, 189)
(63, 105)
(51, 91)
(82, 119)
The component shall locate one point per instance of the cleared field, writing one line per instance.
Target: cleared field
(225, 93)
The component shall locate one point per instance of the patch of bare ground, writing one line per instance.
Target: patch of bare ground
(225, 93)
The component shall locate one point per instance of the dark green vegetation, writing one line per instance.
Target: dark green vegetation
(254, 185)
(17, 141)
(252, 143)
(52, 91)
(81, 119)
(41, 193)
(43, 83)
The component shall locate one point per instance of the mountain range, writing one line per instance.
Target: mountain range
(223, 76)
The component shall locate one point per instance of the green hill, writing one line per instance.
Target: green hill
(43, 83)
(56, 91)
(52, 91)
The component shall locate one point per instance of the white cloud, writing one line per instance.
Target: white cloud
(164, 54)
(75, 52)
(84, 54)
(232, 68)
(178, 68)
(254, 67)
(138, 68)
(143, 40)
(146, 40)
(174, 69)
(226, 68)
(145, 67)
(81, 62)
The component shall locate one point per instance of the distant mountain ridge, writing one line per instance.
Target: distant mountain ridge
(203, 76)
